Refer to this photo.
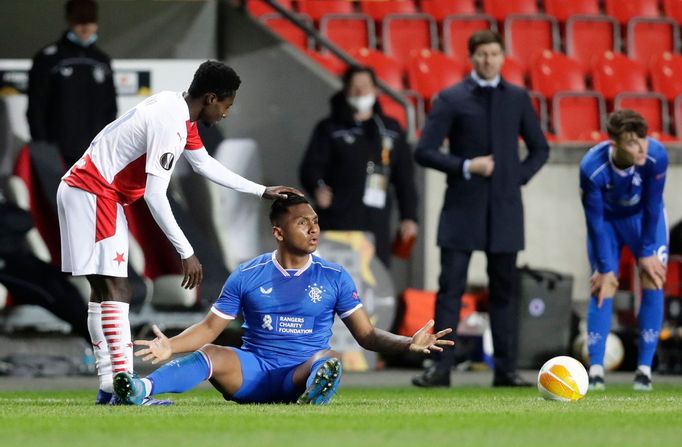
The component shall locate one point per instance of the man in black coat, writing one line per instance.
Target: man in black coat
(482, 117)
(71, 94)
(353, 158)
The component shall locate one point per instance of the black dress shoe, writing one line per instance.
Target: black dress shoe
(432, 377)
(510, 380)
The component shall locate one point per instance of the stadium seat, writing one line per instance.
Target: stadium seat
(458, 28)
(431, 71)
(349, 31)
(578, 116)
(258, 8)
(331, 63)
(287, 30)
(526, 35)
(553, 72)
(440, 9)
(588, 36)
(623, 11)
(648, 38)
(500, 9)
(377, 10)
(666, 75)
(315, 9)
(652, 106)
(673, 9)
(403, 33)
(613, 73)
(540, 105)
(386, 68)
(562, 9)
(396, 111)
(513, 72)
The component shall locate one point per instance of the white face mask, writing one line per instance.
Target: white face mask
(362, 104)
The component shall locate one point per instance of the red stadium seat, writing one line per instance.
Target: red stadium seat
(553, 72)
(430, 72)
(623, 11)
(652, 106)
(258, 8)
(562, 9)
(396, 111)
(349, 31)
(526, 35)
(458, 28)
(386, 68)
(315, 9)
(378, 9)
(440, 9)
(287, 30)
(513, 72)
(613, 73)
(666, 75)
(331, 63)
(500, 9)
(673, 9)
(540, 105)
(403, 33)
(648, 38)
(588, 36)
(578, 116)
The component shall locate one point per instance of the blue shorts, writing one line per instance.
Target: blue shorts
(266, 380)
(628, 231)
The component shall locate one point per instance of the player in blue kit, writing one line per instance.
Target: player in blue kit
(288, 300)
(622, 193)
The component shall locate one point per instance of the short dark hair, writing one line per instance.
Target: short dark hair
(626, 121)
(281, 206)
(214, 77)
(81, 11)
(357, 69)
(483, 37)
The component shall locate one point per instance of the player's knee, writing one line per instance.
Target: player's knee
(647, 283)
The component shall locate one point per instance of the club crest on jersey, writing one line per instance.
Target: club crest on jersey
(166, 161)
(315, 292)
(636, 179)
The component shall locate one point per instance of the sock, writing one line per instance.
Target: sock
(182, 374)
(313, 370)
(116, 328)
(650, 319)
(598, 327)
(100, 349)
(596, 371)
(644, 369)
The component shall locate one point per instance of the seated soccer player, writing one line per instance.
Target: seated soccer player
(288, 300)
(622, 193)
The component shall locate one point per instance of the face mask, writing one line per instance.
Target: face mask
(89, 41)
(362, 104)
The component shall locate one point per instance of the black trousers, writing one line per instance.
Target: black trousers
(503, 304)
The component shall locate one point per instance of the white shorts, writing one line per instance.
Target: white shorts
(80, 221)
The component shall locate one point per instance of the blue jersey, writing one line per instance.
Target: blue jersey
(287, 313)
(610, 194)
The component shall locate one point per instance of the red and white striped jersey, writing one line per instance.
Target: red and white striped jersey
(148, 139)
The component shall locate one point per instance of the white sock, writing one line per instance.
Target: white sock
(644, 369)
(100, 349)
(116, 328)
(596, 370)
(147, 387)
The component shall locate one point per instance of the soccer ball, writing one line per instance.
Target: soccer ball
(563, 378)
(613, 352)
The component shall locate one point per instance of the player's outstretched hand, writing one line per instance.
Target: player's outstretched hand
(280, 192)
(653, 268)
(424, 342)
(192, 272)
(156, 350)
(603, 285)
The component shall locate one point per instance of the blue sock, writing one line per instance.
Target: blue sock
(650, 319)
(598, 327)
(180, 375)
(313, 370)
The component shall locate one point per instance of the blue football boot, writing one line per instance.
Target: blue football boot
(323, 384)
(102, 398)
(130, 390)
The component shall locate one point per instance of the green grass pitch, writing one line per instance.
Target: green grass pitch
(466, 416)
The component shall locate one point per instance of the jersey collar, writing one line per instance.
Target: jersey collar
(284, 271)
